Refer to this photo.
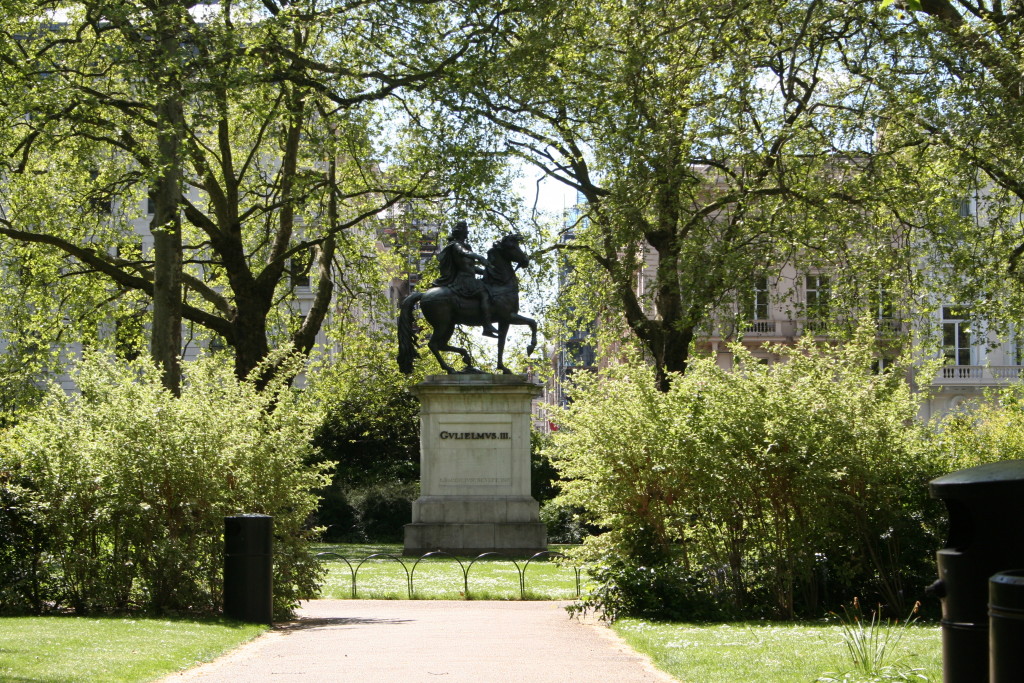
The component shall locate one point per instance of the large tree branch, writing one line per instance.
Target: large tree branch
(116, 269)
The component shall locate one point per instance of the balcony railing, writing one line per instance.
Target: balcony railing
(761, 328)
(789, 327)
(815, 327)
(979, 374)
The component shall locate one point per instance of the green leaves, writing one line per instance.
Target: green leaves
(707, 142)
(280, 136)
(754, 478)
(990, 430)
(912, 5)
(132, 484)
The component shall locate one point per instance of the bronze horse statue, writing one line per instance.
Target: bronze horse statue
(444, 309)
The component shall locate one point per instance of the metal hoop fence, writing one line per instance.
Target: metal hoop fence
(410, 574)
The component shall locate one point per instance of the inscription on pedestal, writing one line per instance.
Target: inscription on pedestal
(478, 451)
(473, 435)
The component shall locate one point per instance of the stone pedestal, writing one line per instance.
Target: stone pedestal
(475, 467)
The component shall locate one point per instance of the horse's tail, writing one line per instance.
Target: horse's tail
(406, 334)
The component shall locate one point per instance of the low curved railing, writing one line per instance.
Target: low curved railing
(410, 574)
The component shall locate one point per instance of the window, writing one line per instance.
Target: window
(883, 305)
(760, 298)
(1015, 347)
(965, 207)
(956, 335)
(578, 353)
(816, 289)
(884, 310)
(884, 363)
(754, 303)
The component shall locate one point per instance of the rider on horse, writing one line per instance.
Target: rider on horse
(459, 271)
(452, 301)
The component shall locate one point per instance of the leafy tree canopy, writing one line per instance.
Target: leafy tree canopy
(268, 139)
(715, 142)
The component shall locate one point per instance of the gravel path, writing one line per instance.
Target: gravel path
(409, 641)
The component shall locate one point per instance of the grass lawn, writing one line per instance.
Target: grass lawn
(59, 649)
(766, 652)
(441, 577)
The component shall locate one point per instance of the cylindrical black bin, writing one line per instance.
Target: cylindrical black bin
(985, 537)
(249, 568)
(1006, 627)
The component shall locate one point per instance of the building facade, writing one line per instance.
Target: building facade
(790, 303)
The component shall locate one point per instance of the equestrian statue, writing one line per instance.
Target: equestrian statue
(459, 297)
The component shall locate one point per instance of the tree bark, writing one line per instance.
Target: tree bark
(165, 343)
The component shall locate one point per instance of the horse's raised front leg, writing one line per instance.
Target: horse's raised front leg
(523, 320)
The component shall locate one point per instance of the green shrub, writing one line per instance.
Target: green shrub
(777, 488)
(564, 523)
(666, 590)
(543, 475)
(383, 510)
(24, 584)
(131, 485)
(992, 430)
(337, 517)
(370, 433)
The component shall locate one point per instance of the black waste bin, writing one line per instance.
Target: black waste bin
(986, 504)
(249, 568)
(1006, 627)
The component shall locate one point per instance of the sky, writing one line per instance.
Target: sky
(549, 196)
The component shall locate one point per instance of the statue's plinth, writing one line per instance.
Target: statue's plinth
(475, 467)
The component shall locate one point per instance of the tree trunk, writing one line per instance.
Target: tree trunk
(249, 330)
(165, 344)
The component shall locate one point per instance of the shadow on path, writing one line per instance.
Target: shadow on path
(303, 624)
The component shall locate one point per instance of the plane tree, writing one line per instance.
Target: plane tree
(256, 134)
(712, 142)
(951, 74)
(970, 54)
